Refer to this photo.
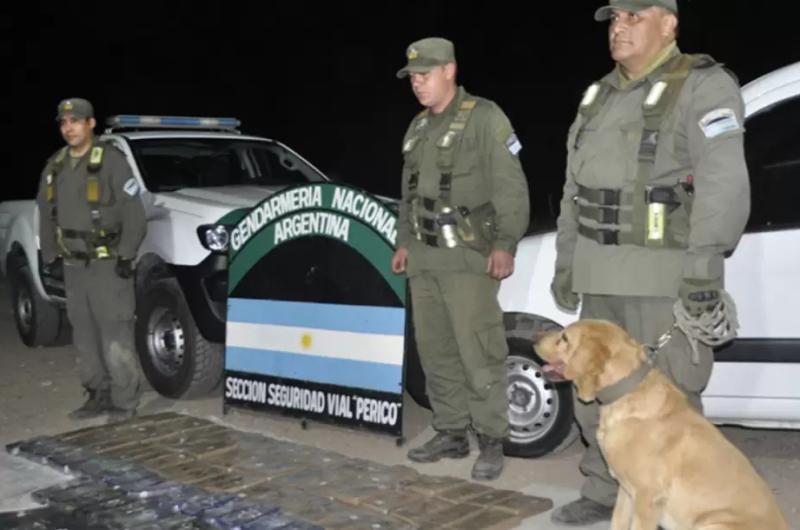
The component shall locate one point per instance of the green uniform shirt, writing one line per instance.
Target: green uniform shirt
(120, 204)
(485, 168)
(690, 143)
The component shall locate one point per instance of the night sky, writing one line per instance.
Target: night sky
(320, 76)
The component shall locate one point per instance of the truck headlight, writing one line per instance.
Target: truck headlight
(214, 237)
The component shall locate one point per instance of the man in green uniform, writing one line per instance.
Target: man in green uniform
(464, 208)
(656, 194)
(92, 218)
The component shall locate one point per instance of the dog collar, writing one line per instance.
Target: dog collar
(628, 384)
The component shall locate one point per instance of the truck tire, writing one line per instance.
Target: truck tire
(39, 322)
(540, 413)
(177, 361)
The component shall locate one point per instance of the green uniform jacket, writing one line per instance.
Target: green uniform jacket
(606, 157)
(120, 205)
(485, 168)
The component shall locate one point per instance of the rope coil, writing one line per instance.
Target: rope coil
(713, 328)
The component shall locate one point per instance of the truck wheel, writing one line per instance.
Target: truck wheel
(176, 359)
(540, 413)
(38, 321)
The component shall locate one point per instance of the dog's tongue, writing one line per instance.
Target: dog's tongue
(555, 371)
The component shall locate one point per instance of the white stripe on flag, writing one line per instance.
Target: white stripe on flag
(369, 347)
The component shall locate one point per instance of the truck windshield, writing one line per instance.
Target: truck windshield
(174, 163)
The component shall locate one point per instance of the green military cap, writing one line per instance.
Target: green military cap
(78, 107)
(424, 54)
(604, 13)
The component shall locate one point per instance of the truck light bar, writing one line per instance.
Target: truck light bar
(171, 122)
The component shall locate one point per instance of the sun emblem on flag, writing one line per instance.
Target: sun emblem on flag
(305, 341)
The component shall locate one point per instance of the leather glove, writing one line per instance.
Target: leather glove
(124, 268)
(562, 291)
(699, 296)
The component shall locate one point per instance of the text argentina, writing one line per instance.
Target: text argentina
(281, 204)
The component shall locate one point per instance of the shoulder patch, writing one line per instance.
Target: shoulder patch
(513, 144)
(719, 121)
(131, 187)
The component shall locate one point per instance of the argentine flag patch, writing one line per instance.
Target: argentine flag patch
(513, 144)
(131, 187)
(719, 121)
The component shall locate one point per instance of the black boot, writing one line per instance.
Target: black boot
(97, 404)
(582, 512)
(446, 444)
(489, 464)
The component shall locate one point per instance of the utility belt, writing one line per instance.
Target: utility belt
(99, 244)
(663, 222)
(440, 224)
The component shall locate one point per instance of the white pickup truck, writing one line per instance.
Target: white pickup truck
(198, 182)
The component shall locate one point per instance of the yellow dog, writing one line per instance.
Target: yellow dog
(674, 467)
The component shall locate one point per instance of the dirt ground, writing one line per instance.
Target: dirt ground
(38, 387)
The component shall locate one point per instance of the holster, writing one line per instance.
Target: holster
(477, 228)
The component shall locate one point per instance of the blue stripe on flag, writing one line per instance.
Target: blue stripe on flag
(336, 317)
(342, 372)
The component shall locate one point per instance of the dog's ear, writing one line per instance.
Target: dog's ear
(586, 365)
(625, 351)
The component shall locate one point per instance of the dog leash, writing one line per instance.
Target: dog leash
(652, 350)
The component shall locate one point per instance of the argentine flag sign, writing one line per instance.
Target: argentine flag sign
(316, 319)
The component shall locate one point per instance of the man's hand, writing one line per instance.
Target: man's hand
(399, 260)
(124, 268)
(561, 287)
(699, 296)
(500, 264)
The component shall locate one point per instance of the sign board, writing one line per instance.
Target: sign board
(316, 319)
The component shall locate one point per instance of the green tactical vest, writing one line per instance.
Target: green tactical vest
(99, 241)
(438, 222)
(642, 207)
